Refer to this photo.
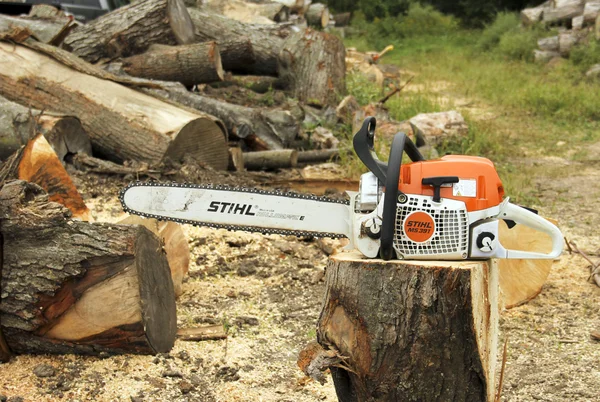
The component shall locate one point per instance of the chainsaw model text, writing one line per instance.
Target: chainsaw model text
(446, 208)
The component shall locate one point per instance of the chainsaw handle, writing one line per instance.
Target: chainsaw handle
(523, 216)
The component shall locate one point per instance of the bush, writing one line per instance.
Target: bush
(492, 34)
(585, 55)
(518, 44)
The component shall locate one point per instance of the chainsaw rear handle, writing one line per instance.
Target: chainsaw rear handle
(523, 216)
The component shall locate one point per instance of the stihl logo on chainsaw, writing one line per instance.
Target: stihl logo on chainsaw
(231, 208)
(419, 226)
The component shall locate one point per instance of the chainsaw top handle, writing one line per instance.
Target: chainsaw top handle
(388, 174)
(363, 143)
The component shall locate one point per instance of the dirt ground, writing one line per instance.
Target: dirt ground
(267, 292)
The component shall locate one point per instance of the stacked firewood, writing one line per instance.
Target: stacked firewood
(138, 88)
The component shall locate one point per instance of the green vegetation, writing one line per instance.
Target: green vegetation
(515, 109)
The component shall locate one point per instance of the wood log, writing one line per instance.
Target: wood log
(123, 124)
(251, 13)
(563, 11)
(265, 40)
(264, 160)
(174, 243)
(548, 44)
(267, 128)
(312, 65)
(38, 163)
(189, 64)
(236, 159)
(78, 287)
(207, 333)
(318, 156)
(411, 330)
(591, 11)
(18, 124)
(317, 15)
(342, 19)
(522, 280)
(46, 30)
(255, 83)
(131, 30)
(566, 41)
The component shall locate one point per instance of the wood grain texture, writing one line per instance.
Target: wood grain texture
(411, 330)
(76, 287)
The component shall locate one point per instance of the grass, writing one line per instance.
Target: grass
(535, 107)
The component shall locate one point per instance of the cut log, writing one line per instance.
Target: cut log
(318, 156)
(312, 65)
(563, 11)
(46, 30)
(266, 128)
(410, 330)
(531, 16)
(132, 29)
(174, 243)
(522, 280)
(193, 64)
(38, 163)
(342, 19)
(18, 123)
(78, 287)
(264, 160)
(265, 40)
(317, 15)
(236, 159)
(123, 124)
(258, 84)
(544, 56)
(590, 11)
(566, 41)
(548, 44)
(251, 13)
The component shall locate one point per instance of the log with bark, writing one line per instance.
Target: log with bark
(409, 330)
(255, 83)
(252, 13)
(132, 29)
(263, 128)
(563, 11)
(52, 31)
(18, 124)
(189, 64)
(263, 160)
(312, 65)
(342, 19)
(123, 124)
(78, 287)
(174, 243)
(317, 15)
(37, 162)
(265, 41)
(236, 159)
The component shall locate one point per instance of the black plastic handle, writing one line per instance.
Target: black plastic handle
(363, 146)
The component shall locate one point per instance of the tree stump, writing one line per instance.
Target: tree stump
(410, 330)
(77, 287)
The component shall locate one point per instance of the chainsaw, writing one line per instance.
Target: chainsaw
(447, 209)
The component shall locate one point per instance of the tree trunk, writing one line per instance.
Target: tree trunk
(38, 163)
(318, 156)
(123, 124)
(266, 40)
(18, 124)
(78, 287)
(342, 19)
(522, 280)
(317, 15)
(262, 160)
(312, 65)
(47, 31)
(411, 330)
(272, 128)
(131, 29)
(175, 245)
(193, 64)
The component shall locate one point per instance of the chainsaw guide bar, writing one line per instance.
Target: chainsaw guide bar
(229, 189)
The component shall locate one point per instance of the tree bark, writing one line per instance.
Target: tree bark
(123, 124)
(563, 10)
(132, 29)
(175, 245)
(410, 330)
(251, 13)
(266, 40)
(78, 287)
(193, 64)
(318, 156)
(268, 128)
(317, 15)
(47, 31)
(18, 124)
(312, 65)
(342, 19)
(38, 163)
(263, 160)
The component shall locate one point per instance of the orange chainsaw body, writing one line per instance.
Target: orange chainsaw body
(488, 190)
